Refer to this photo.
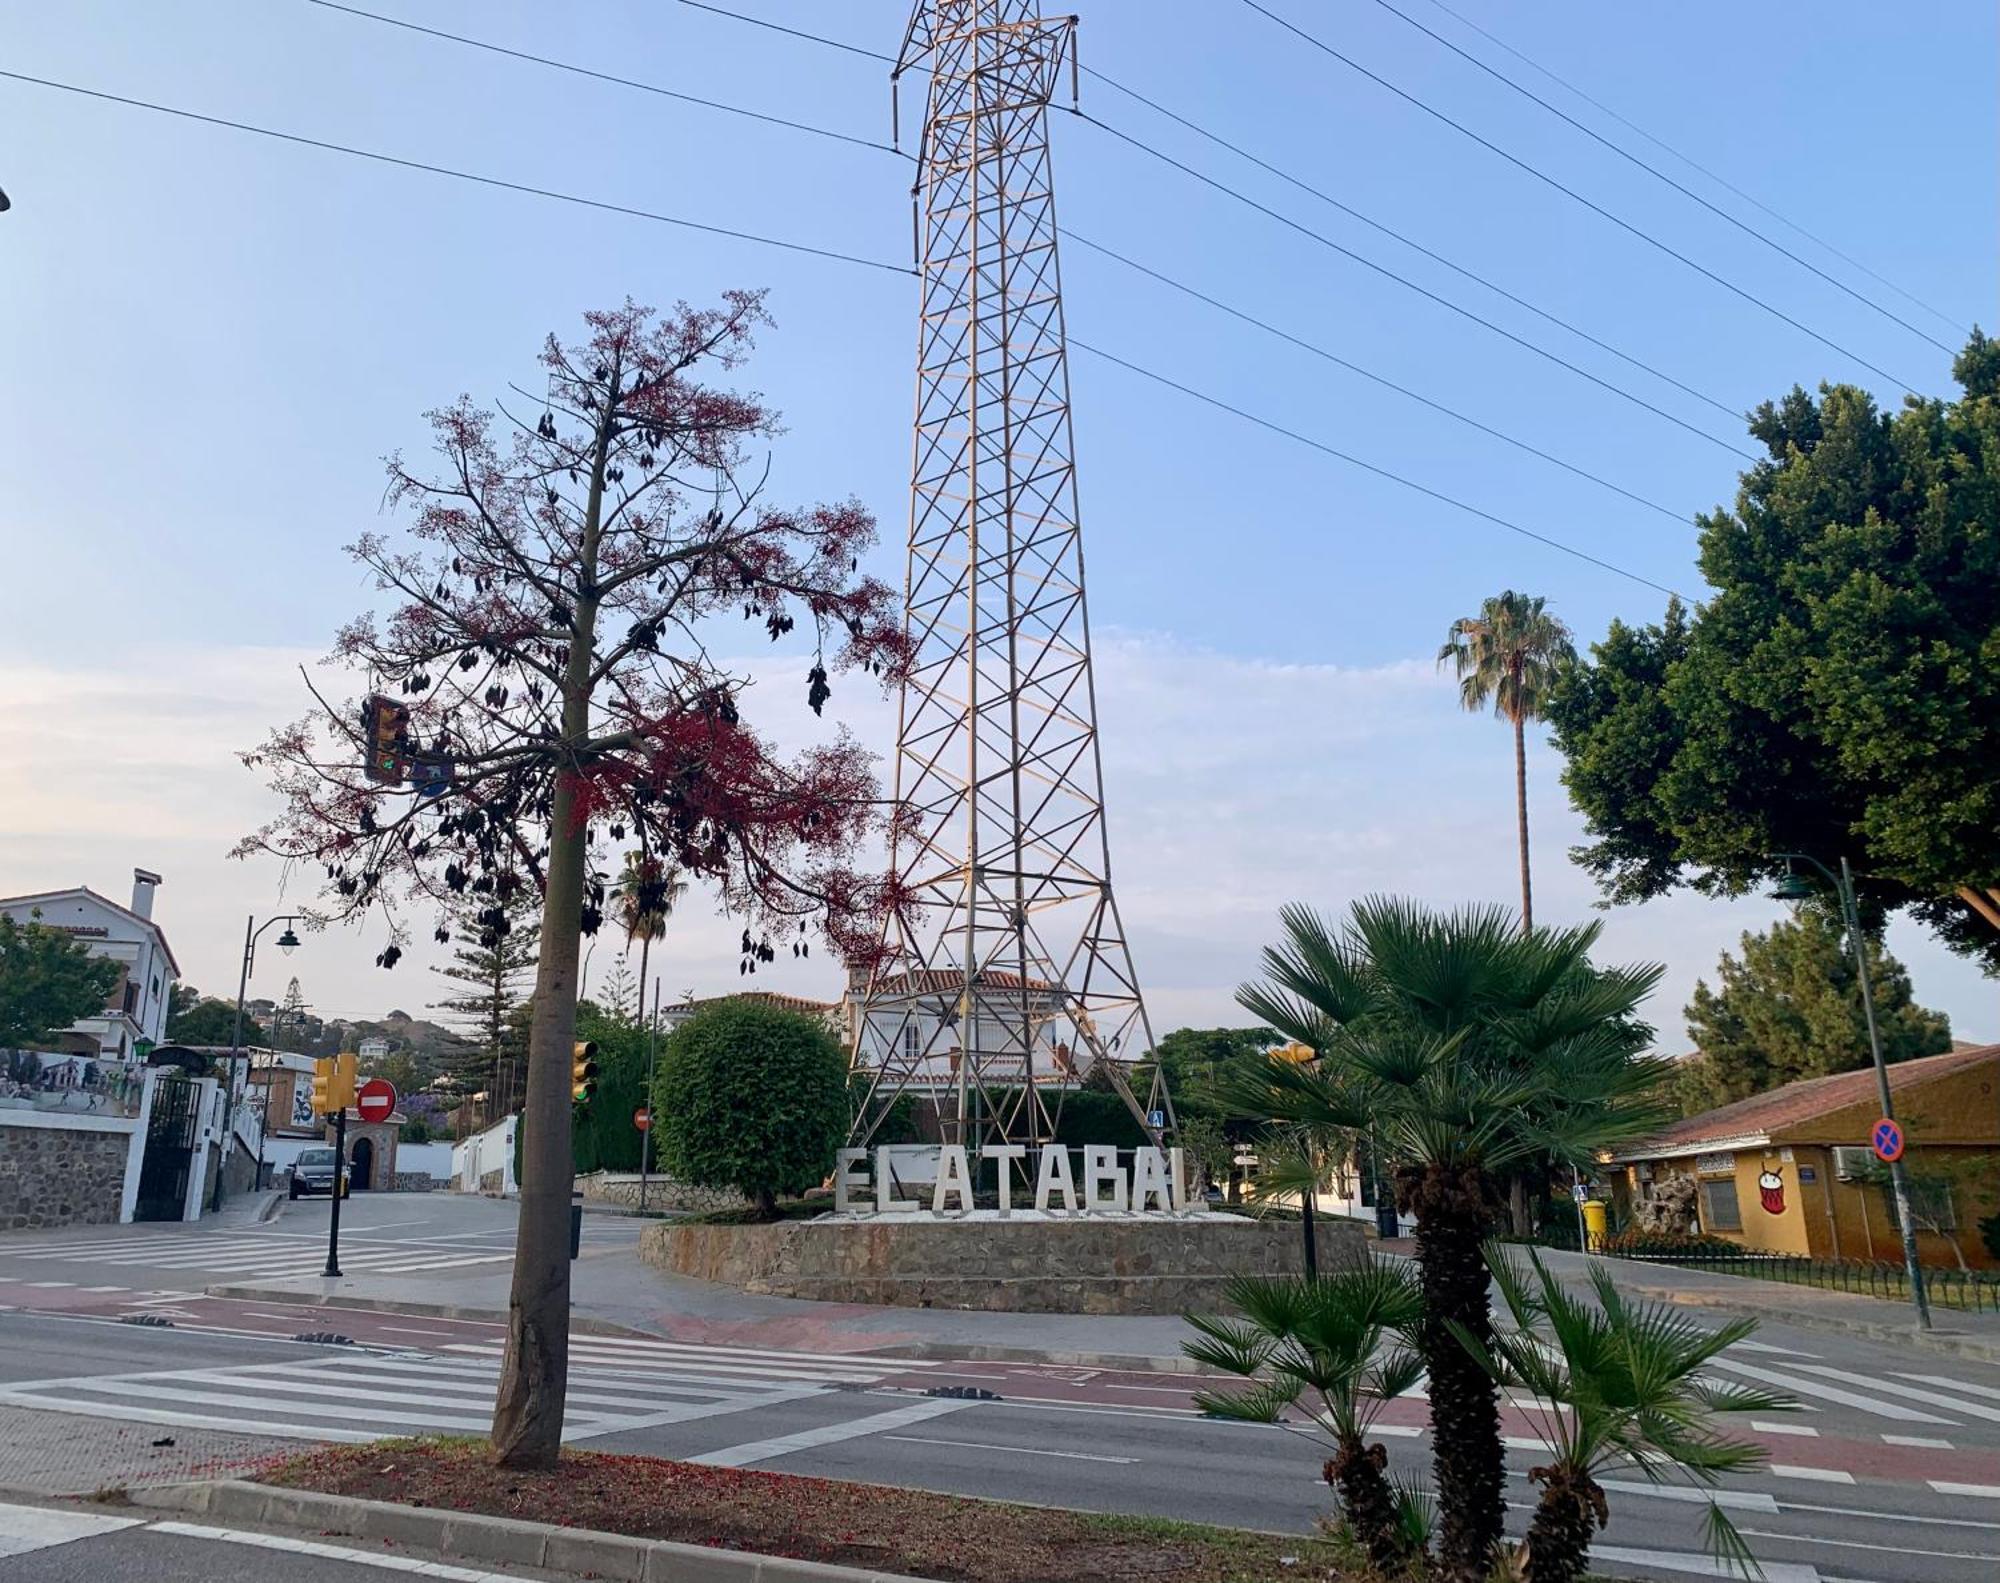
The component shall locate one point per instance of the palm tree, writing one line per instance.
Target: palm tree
(645, 897)
(1510, 655)
(1467, 1050)
(1617, 1383)
(1324, 1339)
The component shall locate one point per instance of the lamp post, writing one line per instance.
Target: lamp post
(288, 942)
(1796, 887)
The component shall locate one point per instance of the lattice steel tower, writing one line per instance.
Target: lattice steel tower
(1009, 975)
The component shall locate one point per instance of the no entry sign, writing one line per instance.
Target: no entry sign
(375, 1099)
(642, 1118)
(1887, 1141)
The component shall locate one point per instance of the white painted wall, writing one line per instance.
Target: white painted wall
(491, 1150)
(435, 1160)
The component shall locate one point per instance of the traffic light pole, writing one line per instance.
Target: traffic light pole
(332, 1270)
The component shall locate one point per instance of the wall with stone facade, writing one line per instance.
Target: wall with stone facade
(61, 1176)
(662, 1192)
(1087, 1265)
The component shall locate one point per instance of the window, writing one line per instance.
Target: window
(131, 1002)
(1930, 1205)
(912, 1041)
(1719, 1210)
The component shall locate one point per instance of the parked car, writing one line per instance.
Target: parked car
(313, 1172)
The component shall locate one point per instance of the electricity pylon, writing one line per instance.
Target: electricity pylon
(1007, 977)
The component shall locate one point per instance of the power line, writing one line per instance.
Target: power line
(1410, 242)
(457, 175)
(1571, 193)
(1106, 251)
(600, 76)
(1654, 171)
(1380, 472)
(1356, 368)
(1696, 165)
(1382, 269)
(779, 27)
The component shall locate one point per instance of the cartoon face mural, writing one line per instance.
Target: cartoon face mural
(1771, 1189)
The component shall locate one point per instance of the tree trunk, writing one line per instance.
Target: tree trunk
(1454, 1210)
(1357, 1475)
(1571, 1510)
(1519, 1211)
(1521, 819)
(767, 1204)
(534, 1374)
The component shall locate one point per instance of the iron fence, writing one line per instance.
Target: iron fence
(1974, 1291)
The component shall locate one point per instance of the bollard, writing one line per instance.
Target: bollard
(575, 1230)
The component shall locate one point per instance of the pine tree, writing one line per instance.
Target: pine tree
(495, 938)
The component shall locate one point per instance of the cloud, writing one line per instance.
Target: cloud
(1233, 785)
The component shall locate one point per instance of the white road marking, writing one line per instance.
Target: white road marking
(326, 1552)
(1781, 1352)
(1929, 1398)
(1728, 1500)
(1989, 1492)
(1924, 1442)
(47, 1286)
(1786, 1470)
(26, 1528)
(1831, 1393)
(1702, 1565)
(413, 1330)
(1019, 1451)
(1887, 1517)
(1853, 1544)
(1763, 1426)
(1953, 1385)
(829, 1434)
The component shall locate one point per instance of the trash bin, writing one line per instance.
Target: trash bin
(1596, 1222)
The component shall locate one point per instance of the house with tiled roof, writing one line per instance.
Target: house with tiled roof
(1791, 1171)
(133, 1018)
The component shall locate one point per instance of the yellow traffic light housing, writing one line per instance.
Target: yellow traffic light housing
(345, 1080)
(385, 726)
(322, 1087)
(583, 1072)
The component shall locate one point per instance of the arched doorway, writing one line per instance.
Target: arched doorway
(361, 1165)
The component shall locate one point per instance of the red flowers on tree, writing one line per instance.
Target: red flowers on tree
(551, 635)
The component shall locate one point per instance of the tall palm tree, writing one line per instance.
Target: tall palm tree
(1467, 1050)
(1510, 655)
(645, 896)
(1616, 1383)
(1327, 1340)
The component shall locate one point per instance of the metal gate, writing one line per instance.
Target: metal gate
(171, 1136)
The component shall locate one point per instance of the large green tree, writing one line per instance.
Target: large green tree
(1839, 694)
(493, 936)
(198, 1019)
(1790, 1008)
(1510, 656)
(48, 980)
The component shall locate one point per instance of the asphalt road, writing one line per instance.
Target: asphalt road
(1892, 1473)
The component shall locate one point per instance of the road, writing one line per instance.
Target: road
(1891, 1472)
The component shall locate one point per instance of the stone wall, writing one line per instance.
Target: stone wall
(493, 1183)
(1088, 1265)
(412, 1182)
(662, 1193)
(60, 1177)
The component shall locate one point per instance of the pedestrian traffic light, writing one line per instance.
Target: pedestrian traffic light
(385, 726)
(583, 1072)
(322, 1087)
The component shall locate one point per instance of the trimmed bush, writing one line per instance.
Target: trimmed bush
(751, 1098)
(1669, 1245)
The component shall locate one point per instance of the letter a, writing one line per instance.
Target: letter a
(1055, 1173)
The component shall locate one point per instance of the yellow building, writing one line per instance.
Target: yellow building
(1791, 1171)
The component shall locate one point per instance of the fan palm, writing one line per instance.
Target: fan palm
(1618, 1382)
(1466, 1050)
(1510, 655)
(645, 896)
(1326, 1339)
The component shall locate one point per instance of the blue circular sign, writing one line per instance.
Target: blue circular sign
(1887, 1141)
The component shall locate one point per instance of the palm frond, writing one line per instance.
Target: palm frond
(1262, 1404)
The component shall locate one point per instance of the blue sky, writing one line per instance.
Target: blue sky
(211, 339)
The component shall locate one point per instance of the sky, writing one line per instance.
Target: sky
(212, 339)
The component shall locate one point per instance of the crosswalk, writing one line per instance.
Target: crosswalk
(259, 1255)
(615, 1384)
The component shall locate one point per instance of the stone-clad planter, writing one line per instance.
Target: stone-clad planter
(1088, 1265)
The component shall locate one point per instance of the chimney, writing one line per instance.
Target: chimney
(143, 881)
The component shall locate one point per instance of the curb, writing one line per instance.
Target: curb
(582, 1324)
(271, 1209)
(1947, 1342)
(494, 1541)
(993, 1352)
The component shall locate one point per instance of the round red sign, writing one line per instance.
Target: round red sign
(375, 1099)
(642, 1118)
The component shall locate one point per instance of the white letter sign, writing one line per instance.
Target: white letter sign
(847, 1181)
(1150, 1180)
(1003, 1156)
(954, 1176)
(1100, 1168)
(1055, 1173)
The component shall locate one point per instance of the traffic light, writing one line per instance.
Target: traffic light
(322, 1089)
(583, 1072)
(385, 726)
(345, 1079)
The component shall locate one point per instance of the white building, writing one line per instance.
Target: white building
(373, 1049)
(917, 1030)
(134, 1018)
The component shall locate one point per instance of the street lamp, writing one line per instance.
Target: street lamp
(288, 942)
(1797, 887)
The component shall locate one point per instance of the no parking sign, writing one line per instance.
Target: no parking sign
(1887, 1141)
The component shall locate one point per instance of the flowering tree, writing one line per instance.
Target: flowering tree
(549, 638)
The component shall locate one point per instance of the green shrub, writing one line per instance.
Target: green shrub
(751, 1098)
(1669, 1245)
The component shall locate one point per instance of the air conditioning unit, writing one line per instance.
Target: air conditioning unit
(1851, 1164)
